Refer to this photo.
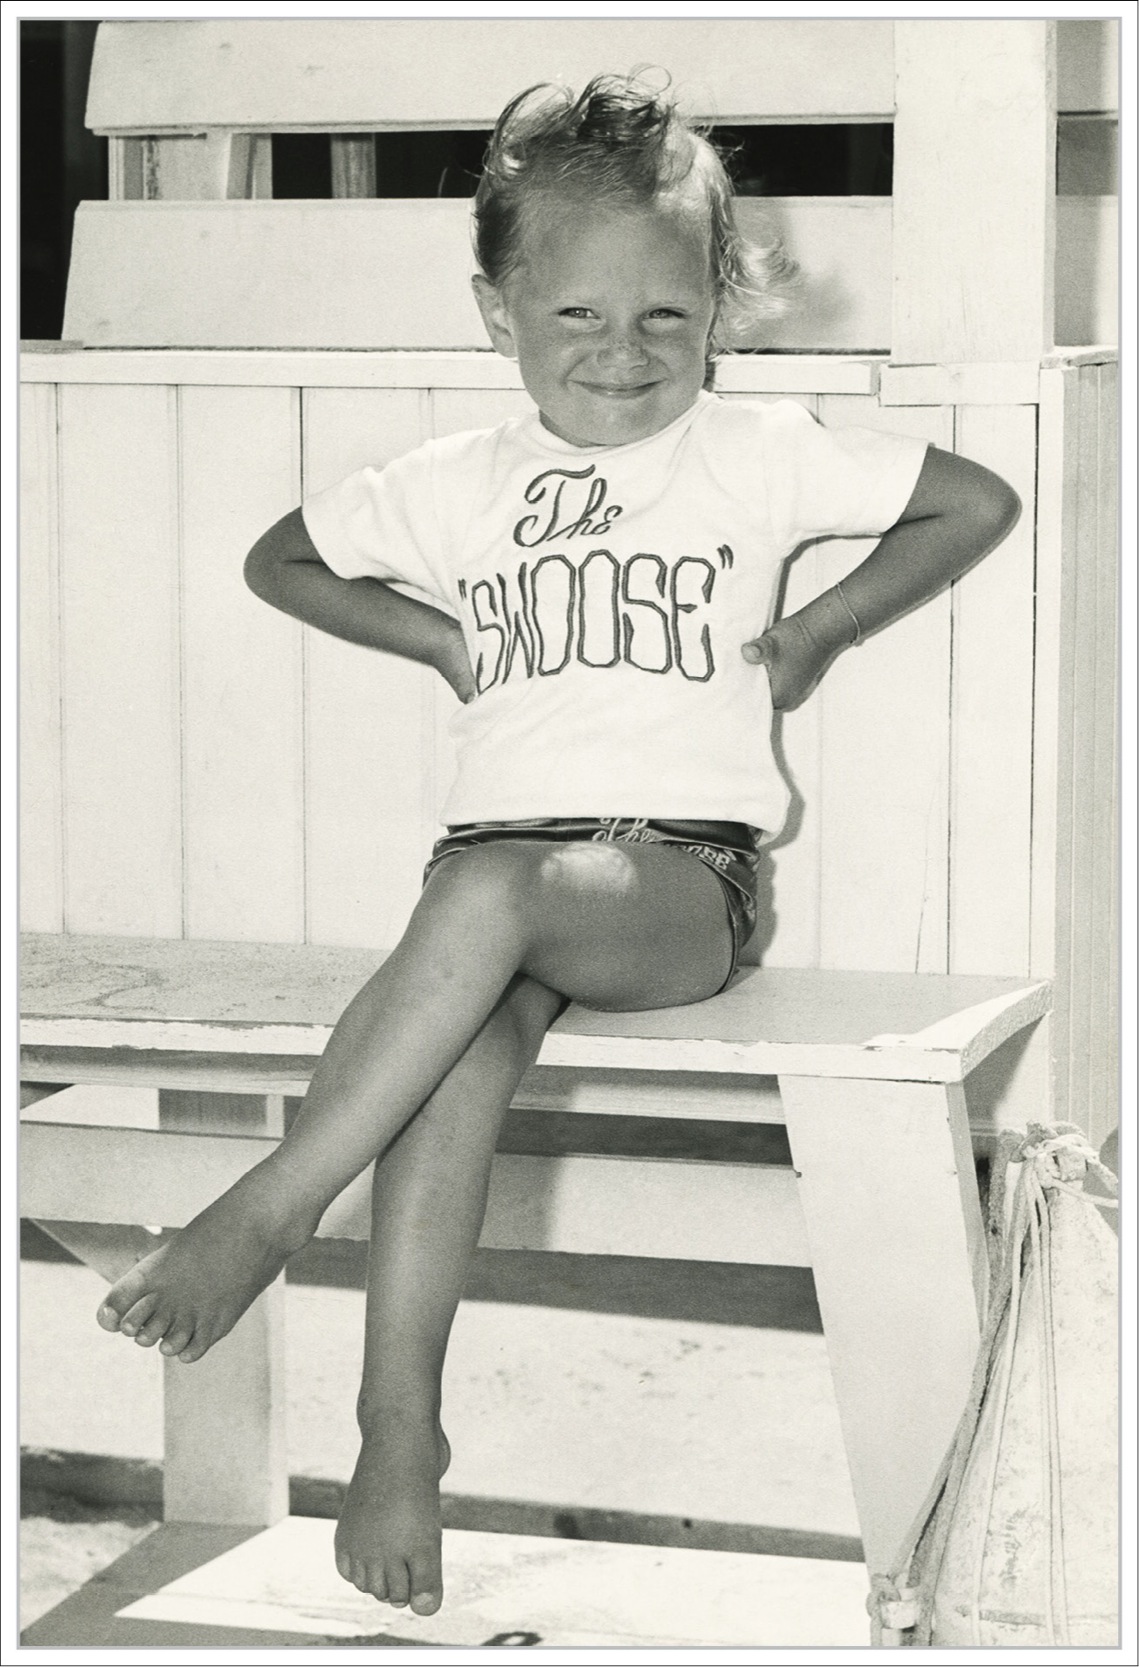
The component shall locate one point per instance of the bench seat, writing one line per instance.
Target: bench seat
(866, 1070)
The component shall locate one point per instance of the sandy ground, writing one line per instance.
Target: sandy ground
(679, 1417)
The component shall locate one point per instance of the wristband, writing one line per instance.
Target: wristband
(857, 637)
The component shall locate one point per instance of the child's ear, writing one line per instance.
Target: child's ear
(494, 315)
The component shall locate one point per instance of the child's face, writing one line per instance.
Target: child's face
(608, 314)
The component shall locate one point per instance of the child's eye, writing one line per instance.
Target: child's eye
(575, 312)
(667, 313)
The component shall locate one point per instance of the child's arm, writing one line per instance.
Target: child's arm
(958, 512)
(284, 568)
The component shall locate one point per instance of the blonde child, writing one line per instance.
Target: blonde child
(608, 566)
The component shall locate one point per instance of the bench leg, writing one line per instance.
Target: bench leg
(225, 1457)
(897, 1246)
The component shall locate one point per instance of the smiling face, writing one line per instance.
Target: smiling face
(608, 314)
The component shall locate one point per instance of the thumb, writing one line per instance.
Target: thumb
(757, 653)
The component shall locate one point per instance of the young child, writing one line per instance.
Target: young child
(605, 571)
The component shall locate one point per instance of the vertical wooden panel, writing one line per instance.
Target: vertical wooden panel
(885, 761)
(1053, 741)
(1087, 814)
(118, 537)
(41, 739)
(991, 802)
(974, 189)
(1103, 1111)
(367, 745)
(243, 781)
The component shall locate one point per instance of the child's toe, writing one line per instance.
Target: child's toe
(138, 1314)
(425, 1584)
(196, 1347)
(155, 1328)
(396, 1584)
(177, 1338)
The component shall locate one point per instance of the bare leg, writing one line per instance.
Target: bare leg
(428, 1201)
(613, 926)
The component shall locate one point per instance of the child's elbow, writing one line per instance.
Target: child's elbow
(284, 542)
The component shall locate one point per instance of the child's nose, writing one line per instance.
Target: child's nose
(623, 344)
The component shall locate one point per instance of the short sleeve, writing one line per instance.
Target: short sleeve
(381, 524)
(835, 482)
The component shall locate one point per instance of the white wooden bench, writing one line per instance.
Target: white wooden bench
(881, 1202)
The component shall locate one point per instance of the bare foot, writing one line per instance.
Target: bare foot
(191, 1291)
(389, 1537)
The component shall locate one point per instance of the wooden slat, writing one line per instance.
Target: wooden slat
(353, 165)
(366, 735)
(243, 773)
(1087, 64)
(1002, 384)
(1087, 956)
(1103, 1102)
(41, 737)
(583, 1205)
(884, 773)
(148, 77)
(973, 189)
(393, 273)
(1053, 734)
(991, 807)
(1087, 270)
(802, 374)
(233, 999)
(121, 655)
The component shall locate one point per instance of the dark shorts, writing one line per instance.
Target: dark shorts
(727, 848)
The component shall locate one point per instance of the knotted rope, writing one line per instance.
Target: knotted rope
(1053, 1159)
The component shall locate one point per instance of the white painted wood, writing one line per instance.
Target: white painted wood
(41, 737)
(899, 1264)
(800, 374)
(1087, 270)
(584, 1599)
(998, 384)
(242, 694)
(579, 1204)
(991, 805)
(238, 998)
(194, 167)
(1088, 812)
(121, 651)
(224, 1457)
(150, 77)
(1087, 64)
(366, 733)
(353, 165)
(1103, 1096)
(974, 194)
(884, 772)
(394, 273)
(107, 1247)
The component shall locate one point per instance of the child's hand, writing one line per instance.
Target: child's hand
(454, 666)
(795, 659)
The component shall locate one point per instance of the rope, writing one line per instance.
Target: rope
(1053, 1159)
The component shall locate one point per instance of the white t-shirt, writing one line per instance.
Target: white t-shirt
(605, 594)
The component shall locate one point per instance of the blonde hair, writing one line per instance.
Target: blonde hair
(620, 142)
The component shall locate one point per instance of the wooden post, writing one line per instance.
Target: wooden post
(974, 190)
(353, 165)
(225, 1459)
(894, 1224)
